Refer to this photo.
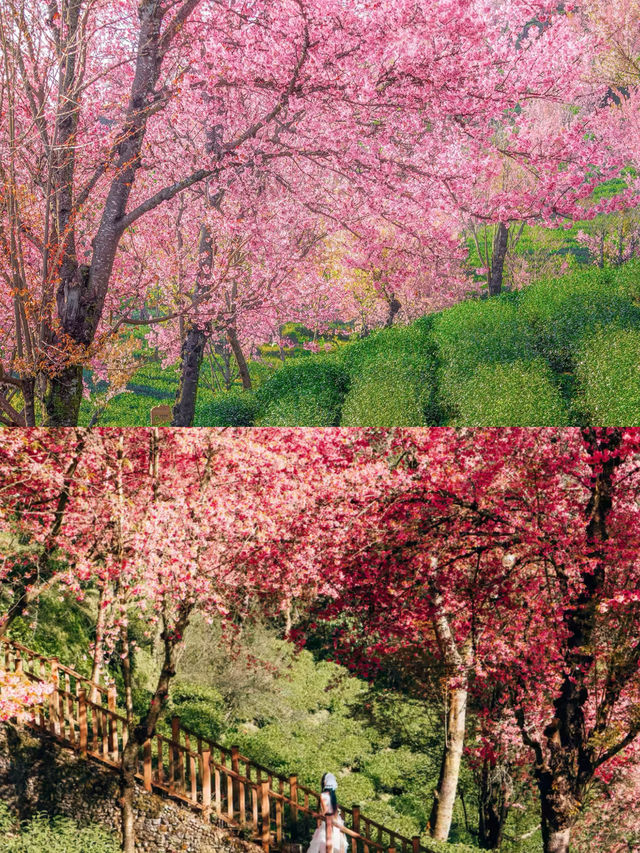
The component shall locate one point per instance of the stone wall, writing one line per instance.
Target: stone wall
(37, 775)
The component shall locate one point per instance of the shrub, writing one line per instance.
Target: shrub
(234, 408)
(392, 378)
(201, 709)
(308, 392)
(520, 393)
(557, 314)
(608, 373)
(628, 280)
(480, 332)
(55, 835)
(382, 398)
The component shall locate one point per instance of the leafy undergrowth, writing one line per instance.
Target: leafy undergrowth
(562, 351)
(54, 834)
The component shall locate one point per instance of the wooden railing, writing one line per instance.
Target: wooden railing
(219, 782)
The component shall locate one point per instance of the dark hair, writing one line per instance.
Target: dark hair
(332, 795)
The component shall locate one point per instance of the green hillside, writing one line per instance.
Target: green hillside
(560, 352)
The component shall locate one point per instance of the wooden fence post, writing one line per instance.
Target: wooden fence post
(356, 819)
(356, 827)
(206, 784)
(54, 723)
(82, 721)
(147, 765)
(293, 796)
(265, 814)
(235, 760)
(415, 841)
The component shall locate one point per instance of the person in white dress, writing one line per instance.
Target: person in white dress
(329, 806)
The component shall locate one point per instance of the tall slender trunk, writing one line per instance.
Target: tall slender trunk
(445, 794)
(456, 661)
(129, 762)
(146, 728)
(98, 648)
(29, 395)
(241, 361)
(194, 343)
(191, 356)
(500, 245)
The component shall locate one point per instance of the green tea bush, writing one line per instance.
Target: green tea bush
(382, 397)
(480, 332)
(126, 409)
(520, 393)
(234, 408)
(628, 280)
(55, 835)
(308, 392)
(608, 373)
(393, 770)
(556, 314)
(393, 374)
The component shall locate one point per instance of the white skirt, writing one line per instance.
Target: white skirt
(319, 840)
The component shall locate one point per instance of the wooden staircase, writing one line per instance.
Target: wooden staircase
(220, 783)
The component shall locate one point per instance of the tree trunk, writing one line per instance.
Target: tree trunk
(241, 361)
(129, 761)
(29, 395)
(98, 650)
(493, 809)
(82, 290)
(191, 357)
(394, 307)
(556, 841)
(193, 346)
(500, 244)
(63, 397)
(127, 790)
(445, 795)
(563, 774)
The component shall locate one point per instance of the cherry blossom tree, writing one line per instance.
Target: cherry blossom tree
(511, 555)
(376, 115)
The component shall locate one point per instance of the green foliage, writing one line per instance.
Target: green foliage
(53, 834)
(521, 393)
(478, 332)
(308, 392)
(201, 709)
(609, 377)
(233, 408)
(392, 378)
(58, 627)
(557, 314)
(382, 398)
(393, 769)
(128, 408)
(628, 280)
